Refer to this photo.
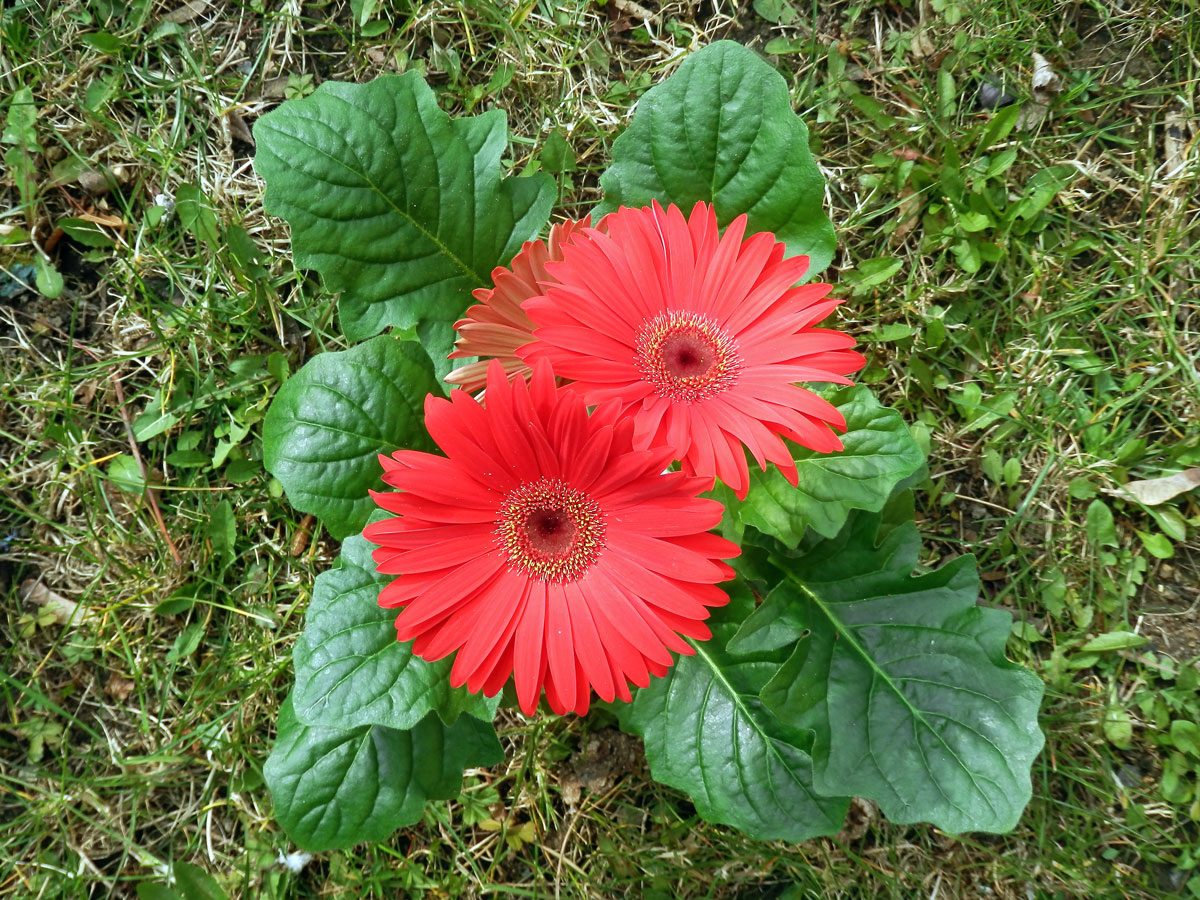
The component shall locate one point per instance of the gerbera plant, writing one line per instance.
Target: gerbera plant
(649, 483)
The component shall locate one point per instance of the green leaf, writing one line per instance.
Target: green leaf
(708, 734)
(721, 129)
(153, 422)
(351, 670)
(1113, 640)
(148, 890)
(557, 155)
(222, 531)
(49, 280)
(399, 207)
(1042, 188)
(85, 232)
(187, 643)
(1099, 525)
(328, 423)
(20, 123)
(123, 471)
(196, 214)
(335, 788)
(878, 452)
(902, 679)
(196, 884)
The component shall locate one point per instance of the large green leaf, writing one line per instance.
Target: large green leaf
(721, 129)
(708, 734)
(398, 206)
(351, 670)
(329, 422)
(334, 788)
(878, 453)
(902, 679)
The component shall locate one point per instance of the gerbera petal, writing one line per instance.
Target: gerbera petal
(529, 649)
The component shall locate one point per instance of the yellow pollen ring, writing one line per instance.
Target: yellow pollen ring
(550, 530)
(686, 356)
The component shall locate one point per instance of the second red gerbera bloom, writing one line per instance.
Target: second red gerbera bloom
(700, 336)
(544, 547)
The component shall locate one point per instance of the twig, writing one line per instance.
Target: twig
(137, 456)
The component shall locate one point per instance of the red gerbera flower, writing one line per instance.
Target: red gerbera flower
(545, 547)
(497, 326)
(700, 336)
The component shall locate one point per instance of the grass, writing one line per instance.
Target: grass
(1041, 381)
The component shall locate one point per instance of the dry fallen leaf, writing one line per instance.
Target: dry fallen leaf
(190, 10)
(922, 44)
(64, 610)
(1153, 491)
(118, 687)
(1045, 84)
(909, 213)
(238, 128)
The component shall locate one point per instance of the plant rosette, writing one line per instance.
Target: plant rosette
(628, 495)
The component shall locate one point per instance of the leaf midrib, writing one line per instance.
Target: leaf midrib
(877, 672)
(745, 712)
(387, 199)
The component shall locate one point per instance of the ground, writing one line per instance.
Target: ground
(1045, 360)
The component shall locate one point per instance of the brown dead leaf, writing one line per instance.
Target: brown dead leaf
(635, 10)
(606, 757)
(119, 687)
(190, 10)
(238, 128)
(910, 214)
(300, 538)
(1153, 491)
(275, 88)
(1046, 83)
(106, 221)
(861, 815)
(64, 610)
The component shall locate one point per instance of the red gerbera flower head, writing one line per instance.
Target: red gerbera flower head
(700, 336)
(545, 547)
(497, 326)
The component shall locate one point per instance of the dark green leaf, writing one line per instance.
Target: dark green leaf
(903, 680)
(335, 788)
(557, 155)
(1099, 525)
(328, 423)
(879, 452)
(708, 734)
(721, 129)
(351, 670)
(103, 41)
(399, 207)
(196, 214)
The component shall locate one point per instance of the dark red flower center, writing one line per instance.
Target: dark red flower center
(686, 355)
(550, 530)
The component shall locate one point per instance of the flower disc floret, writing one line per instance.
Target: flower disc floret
(550, 530)
(686, 356)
